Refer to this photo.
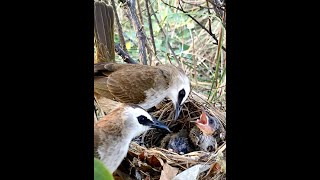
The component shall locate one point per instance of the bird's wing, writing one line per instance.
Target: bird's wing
(101, 72)
(128, 82)
(129, 85)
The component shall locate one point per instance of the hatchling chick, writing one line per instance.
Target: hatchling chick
(177, 142)
(201, 141)
(200, 138)
(201, 135)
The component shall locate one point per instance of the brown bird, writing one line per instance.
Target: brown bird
(114, 132)
(143, 85)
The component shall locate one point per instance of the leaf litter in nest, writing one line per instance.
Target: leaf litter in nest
(168, 172)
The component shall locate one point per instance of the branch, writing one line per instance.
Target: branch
(197, 5)
(139, 12)
(164, 34)
(209, 16)
(204, 28)
(150, 27)
(141, 37)
(119, 28)
(124, 55)
(218, 5)
(215, 7)
(219, 8)
(149, 49)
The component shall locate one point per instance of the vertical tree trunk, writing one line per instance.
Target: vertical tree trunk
(104, 32)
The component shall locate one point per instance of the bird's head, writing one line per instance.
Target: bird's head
(207, 124)
(139, 121)
(179, 92)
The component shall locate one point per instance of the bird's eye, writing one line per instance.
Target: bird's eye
(210, 121)
(210, 148)
(182, 93)
(144, 120)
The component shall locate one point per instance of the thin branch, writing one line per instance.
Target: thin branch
(140, 35)
(218, 5)
(150, 27)
(119, 28)
(124, 55)
(195, 75)
(197, 5)
(149, 49)
(139, 12)
(219, 8)
(209, 16)
(187, 13)
(216, 8)
(164, 34)
(207, 3)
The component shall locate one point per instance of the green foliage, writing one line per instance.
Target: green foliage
(193, 46)
(100, 171)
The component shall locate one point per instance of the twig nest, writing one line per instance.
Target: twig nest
(179, 149)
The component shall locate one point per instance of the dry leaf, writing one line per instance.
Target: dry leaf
(214, 169)
(192, 173)
(143, 166)
(168, 172)
(153, 161)
(141, 156)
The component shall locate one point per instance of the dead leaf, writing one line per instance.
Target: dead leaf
(153, 161)
(214, 169)
(192, 173)
(168, 172)
(143, 166)
(141, 156)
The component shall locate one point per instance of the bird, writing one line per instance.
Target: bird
(202, 135)
(177, 142)
(199, 138)
(143, 85)
(114, 132)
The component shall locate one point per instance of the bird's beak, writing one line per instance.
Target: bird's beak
(177, 111)
(159, 125)
(203, 124)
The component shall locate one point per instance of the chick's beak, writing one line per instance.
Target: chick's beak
(159, 125)
(203, 124)
(177, 111)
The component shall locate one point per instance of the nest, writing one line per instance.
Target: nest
(146, 158)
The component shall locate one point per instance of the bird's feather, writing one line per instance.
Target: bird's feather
(128, 83)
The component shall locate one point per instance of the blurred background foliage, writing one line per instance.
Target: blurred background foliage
(202, 58)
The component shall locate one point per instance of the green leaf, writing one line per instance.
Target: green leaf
(100, 171)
